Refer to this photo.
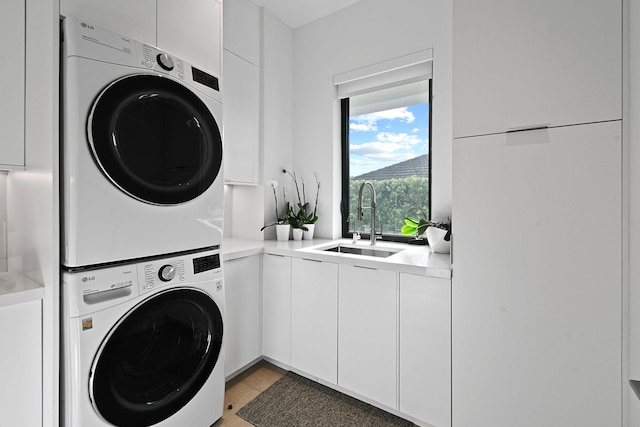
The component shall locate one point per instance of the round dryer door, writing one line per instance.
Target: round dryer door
(156, 358)
(155, 139)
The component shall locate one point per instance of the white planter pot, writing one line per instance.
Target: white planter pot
(297, 233)
(435, 237)
(308, 234)
(282, 232)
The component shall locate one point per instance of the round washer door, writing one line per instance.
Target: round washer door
(155, 360)
(155, 139)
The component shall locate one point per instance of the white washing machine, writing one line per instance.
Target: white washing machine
(141, 150)
(142, 343)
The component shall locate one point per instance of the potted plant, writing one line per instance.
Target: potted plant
(438, 233)
(282, 222)
(304, 218)
(297, 222)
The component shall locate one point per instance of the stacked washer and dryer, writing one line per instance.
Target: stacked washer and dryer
(142, 301)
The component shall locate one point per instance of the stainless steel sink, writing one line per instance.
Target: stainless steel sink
(361, 250)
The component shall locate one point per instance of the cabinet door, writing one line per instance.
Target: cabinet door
(242, 312)
(536, 296)
(192, 30)
(276, 308)
(367, 333)
(241, 29)
(12, 23)
(136, 19)
(314, 318)
(425, 348)
(21, 364)
(522, 64)
(241, 120)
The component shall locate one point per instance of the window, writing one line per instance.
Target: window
(386, 140)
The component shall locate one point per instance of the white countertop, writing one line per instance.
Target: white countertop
(412, 259)
(16, 288)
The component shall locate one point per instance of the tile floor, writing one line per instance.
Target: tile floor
(244, 388)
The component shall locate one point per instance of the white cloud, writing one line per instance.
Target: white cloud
(399, 138)
(369, 122)
(375, 148)
(362, 127)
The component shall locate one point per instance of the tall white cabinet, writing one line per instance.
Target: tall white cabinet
(537, 283)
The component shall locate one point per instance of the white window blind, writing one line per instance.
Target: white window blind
(397, 71)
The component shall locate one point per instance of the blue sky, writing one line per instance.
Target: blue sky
(386, 137)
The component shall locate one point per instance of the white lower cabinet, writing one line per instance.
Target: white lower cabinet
(425, 349)
(21, 364)
(536, 323)
(314, 318)
(276, 308)
(367, 333)
(242, 312)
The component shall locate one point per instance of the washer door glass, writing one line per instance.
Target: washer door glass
(155, 139)
(156, 358)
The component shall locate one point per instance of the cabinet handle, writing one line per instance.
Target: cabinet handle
(366, 268)
(528, 128)
(312, 260)
(278, 255)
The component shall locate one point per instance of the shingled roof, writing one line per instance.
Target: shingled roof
(418, 166)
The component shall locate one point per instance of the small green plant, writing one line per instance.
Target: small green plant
(418, 227)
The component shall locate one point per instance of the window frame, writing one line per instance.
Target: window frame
(345, 194)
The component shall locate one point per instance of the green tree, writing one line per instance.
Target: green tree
(396, 198)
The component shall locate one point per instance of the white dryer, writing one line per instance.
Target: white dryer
(141, 150)
(142, 343)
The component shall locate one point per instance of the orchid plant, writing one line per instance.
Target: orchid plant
(303, 215)
(280, 220)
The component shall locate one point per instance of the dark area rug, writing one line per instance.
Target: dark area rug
(295, 401)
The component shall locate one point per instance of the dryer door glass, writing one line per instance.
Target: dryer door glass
(155, 139)
(156, 358)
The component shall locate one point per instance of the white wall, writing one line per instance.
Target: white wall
(277, 100)
(363, 34)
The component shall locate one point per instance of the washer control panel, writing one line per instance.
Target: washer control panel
(183, 269)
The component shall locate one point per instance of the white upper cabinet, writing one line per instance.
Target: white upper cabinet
(192, 30)
(523, 64)
(12, 23)
(242, 29)
(241, 90)
(136, 19)
(241, 120)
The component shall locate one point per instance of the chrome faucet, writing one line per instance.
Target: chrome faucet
(372, 207)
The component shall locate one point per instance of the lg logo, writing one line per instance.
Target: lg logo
(88, 278)
(83, 25)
